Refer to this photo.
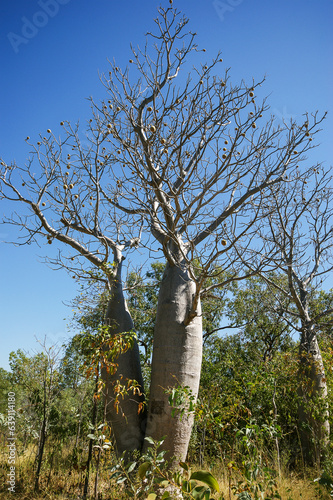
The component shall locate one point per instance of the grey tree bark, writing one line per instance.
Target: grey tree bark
(177, 354)
(128, 424)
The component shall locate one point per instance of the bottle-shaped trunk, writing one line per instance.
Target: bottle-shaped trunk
(176, 363)
(313, 406)
(127, 420)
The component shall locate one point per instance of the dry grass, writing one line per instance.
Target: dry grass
(66, 483)
(290, 486)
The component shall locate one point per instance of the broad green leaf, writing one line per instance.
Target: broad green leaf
(188, 486)
(115, 475)
(177, 477)
(184, 466)
(166, 496)
(192, 484)
(143, 469)
(161, 441)
(160, 456)
(207, 478)
(185, 486)
(131, 467)
(149, 440)
(163, 483)
(122, 480)
(151, 496)
(200, 493)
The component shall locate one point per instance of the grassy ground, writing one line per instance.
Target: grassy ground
(289, 489)
(64, 482)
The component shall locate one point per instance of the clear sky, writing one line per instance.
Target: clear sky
(51, 54)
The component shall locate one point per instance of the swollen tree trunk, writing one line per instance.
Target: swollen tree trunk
(177, 356)
(313, 407)
(128, 422)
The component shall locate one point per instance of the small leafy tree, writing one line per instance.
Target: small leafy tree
(154, 480)
(257, 314)
(239, 387)
(40, 379)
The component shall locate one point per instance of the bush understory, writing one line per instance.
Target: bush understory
(63, 478)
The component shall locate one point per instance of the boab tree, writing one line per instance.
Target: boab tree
(298, 239)
(60, 187)
(192, 160)
(203, 165)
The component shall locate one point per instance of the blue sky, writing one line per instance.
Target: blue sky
(51, 54)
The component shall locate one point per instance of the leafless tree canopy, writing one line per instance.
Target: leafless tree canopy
(298, 238)
(189, 163)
